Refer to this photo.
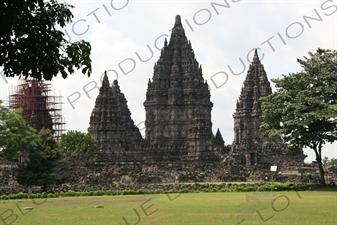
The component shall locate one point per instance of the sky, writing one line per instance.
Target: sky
(126, 37)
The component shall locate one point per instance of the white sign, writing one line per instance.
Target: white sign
(273, 168)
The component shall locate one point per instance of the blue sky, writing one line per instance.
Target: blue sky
(221, 32)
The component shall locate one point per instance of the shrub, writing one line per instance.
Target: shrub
(32, 196)
(84, 193)
(140, 191)
(70, 193)
(214, 190)
(112, 192)
(206, 190)
(159, 191)
(171, 191)
(12, 196)
(21, 195)
(51, 195)
(99, 193)
(184, 190)
(224, 190)
(282, 187)
(238, 189)
(4, 197)
(266, 187)
(118, 192)
(43, 195)
(250, 189)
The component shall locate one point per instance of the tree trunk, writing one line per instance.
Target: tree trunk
(320, 165)
(45, 188)
(321, 172)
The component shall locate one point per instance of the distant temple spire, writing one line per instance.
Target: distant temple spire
(111, 124)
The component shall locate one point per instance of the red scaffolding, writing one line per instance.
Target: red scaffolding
(39, 107)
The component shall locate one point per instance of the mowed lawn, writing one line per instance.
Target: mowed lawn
(233, 208)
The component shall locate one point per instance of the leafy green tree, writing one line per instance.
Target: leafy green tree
(31, 44)
(303, 109)
(78, 147)
(41, 170)
(15, 135)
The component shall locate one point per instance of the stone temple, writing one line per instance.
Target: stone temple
(178, 106)
(178, 124)
(248, 148)
(111, 124)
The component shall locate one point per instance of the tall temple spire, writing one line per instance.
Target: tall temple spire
(178, 106)
(247, 140)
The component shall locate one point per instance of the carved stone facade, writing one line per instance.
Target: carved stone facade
(178, 106)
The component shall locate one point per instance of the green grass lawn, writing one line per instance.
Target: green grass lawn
(233, 208)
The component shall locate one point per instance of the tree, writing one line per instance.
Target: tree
(333, 161)
(40, 169)
(15, 135)
(303, 109)
(77, 146)
(32, 46)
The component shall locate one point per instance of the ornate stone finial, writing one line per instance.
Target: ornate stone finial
(165, 43)
(178, 20)
(178, 37)
(256, 59)
(105, 81)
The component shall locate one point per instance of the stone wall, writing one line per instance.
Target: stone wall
(8, 181)
(158, 175)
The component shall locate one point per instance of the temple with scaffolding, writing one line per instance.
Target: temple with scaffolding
(39, 108)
